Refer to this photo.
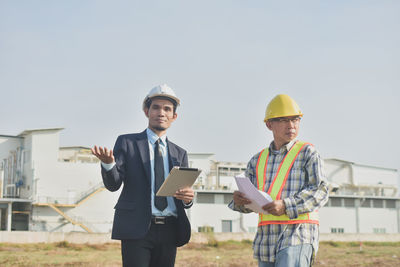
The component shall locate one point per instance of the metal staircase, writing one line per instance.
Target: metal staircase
(84, 196)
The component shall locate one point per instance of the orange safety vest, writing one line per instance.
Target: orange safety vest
(275, 190)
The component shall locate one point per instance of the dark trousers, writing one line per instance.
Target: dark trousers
(157, 248)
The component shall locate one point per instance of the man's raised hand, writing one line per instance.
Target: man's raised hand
(104, 155)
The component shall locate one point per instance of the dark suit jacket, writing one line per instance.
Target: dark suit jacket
(133, 209)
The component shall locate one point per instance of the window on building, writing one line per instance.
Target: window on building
(226, 226)
(223, 171)
(335, 202)
(337, 230)
(206, 229)
(379, 230)
(349, 202)
(390, 203)
(366, 203)
(228, 198)
(27, 156)
(205, 198)
(219, 199)
(377, 203)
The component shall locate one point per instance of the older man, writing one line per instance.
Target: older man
(291, 172)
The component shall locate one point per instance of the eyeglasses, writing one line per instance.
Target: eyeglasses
(295, 120)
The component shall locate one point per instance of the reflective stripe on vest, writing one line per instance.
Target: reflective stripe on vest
(275, 190)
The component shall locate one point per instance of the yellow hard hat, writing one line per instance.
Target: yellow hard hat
(282, 106)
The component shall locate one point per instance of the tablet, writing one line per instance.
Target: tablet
(178, 178)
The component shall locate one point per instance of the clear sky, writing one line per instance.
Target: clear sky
(87, 65)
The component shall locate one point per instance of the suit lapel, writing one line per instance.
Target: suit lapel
(143, 146)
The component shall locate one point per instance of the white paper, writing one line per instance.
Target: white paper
(258, 198)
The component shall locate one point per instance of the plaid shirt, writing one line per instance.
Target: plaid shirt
(305, 190)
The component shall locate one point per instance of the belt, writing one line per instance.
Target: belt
(162, 219)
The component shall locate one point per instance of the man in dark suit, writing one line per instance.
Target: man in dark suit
(150, 228)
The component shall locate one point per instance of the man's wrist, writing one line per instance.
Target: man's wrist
(290, 207)
(187, 205)
(107, 166)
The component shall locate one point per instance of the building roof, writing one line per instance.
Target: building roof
(201, 153)
(75, 147)
(360, 165)
(10, 136)
(26, 132)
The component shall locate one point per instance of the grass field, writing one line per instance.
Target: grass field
(220, 254)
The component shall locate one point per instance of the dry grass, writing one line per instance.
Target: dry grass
(382, 254)
(230, 254)
(59, 254)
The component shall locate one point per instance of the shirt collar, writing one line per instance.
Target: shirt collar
(153, 137)
(284, 148)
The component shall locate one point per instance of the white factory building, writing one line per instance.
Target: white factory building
(44, 187)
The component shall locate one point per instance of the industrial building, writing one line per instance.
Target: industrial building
(44, 187)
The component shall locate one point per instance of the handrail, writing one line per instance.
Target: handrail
(77, 201)
(70, 219)
(88, 192)
(55, 205)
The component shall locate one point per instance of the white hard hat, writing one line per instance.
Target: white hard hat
(161, 90)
